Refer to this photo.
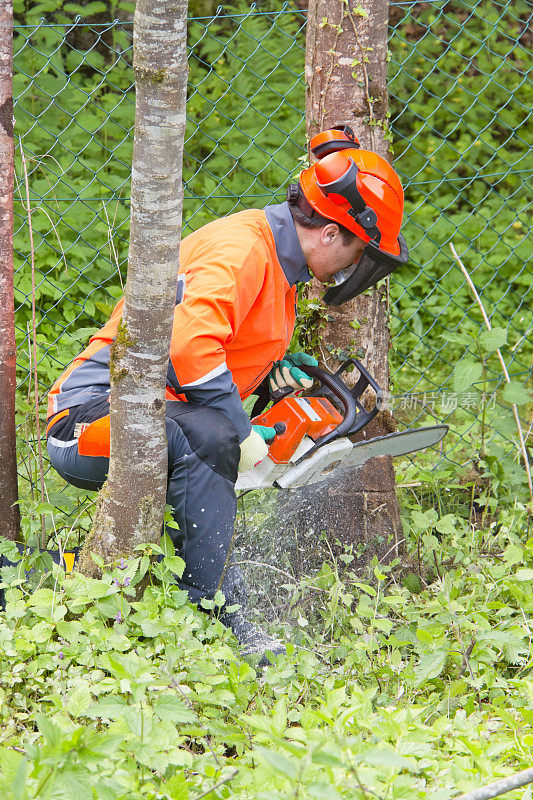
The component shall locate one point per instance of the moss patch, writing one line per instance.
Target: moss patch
(118, 349)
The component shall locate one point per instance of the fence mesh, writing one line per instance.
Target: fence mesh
(460, 100)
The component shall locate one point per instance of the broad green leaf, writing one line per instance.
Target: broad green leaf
(493, 339)
(9, 549)
(176, 786)
(458, 338)
(78, 701)
(103, 744)
(430, 666)
(20, 781)
(85, 10)
(465, 374)
(73, 782)
(425, 636)
(110, 707)
(166, 546)
(138, 723)
(279, 763)
(524, 575)
(51, 732)
(514, 554)
(114, 606)
(446, 524)
(81, 334)
(176, 565)
(516, 650)
(424, 520)
(170, 709)
(105, 308)
(10, 762)
(430, 542)
(517, 393)
(383, 757)
(326, 759)
(322, 791)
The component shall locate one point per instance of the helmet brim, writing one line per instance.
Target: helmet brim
(373, 266)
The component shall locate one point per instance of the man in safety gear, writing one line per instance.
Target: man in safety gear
(234, 318)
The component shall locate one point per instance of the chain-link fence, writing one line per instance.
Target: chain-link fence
(459, 102)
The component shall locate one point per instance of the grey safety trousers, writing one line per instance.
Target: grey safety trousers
(203, 458)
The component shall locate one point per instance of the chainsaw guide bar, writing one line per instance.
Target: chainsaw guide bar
(335, 458)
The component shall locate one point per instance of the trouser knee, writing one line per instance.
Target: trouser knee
(210, 436)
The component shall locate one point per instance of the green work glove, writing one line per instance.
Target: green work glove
(255, 448)
(285, 373)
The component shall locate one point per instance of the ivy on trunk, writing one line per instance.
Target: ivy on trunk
(346, 83)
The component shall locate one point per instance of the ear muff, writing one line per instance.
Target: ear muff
(344, 189)
(366, 198)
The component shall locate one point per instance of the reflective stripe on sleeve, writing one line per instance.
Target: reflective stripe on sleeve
(214, 373)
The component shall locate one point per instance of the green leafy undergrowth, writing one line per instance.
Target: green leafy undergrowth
(410, 683)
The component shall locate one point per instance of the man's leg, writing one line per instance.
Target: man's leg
(203, 456)
(201, 490)
(85, 472)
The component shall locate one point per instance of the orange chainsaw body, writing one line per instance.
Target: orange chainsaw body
(302, 416)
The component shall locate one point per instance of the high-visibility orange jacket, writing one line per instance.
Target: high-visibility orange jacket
(234, 316)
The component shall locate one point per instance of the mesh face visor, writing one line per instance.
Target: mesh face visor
(373, 265)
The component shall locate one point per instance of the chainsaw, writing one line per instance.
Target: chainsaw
(312, 432)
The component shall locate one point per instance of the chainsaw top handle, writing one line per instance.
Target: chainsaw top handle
(355, 415)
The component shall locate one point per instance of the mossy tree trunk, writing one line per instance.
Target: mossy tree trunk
(346, 82)
(9, 510)
(131, 505)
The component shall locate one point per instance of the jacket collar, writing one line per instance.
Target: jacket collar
(288, 248)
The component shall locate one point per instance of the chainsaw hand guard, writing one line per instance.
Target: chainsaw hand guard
(355, 414)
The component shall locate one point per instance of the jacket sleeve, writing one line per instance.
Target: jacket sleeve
(217, 291)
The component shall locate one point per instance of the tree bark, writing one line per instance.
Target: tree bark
(9, 510)
(131, 504)
(346, 78)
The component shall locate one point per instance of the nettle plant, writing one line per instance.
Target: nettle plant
(479, 372)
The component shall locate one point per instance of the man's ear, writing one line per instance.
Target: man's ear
(329, 233)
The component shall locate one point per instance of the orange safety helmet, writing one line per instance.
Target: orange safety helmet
(361, 191)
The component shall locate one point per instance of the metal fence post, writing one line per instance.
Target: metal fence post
(9, 510)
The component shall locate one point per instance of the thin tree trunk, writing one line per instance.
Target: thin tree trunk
(346, 77)
(132, 502)
(9, 510)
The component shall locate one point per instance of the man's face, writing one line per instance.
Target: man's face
(331, 255)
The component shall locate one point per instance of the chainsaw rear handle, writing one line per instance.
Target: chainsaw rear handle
(343, 394)
(355, 415)
(337, 388)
